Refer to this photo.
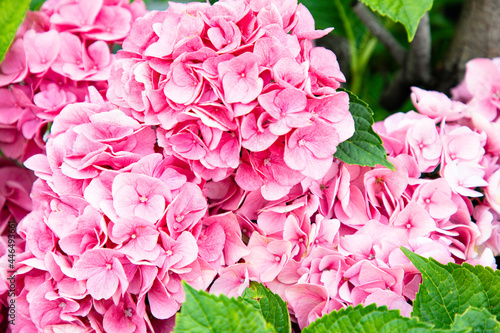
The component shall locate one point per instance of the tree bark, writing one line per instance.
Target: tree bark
(415, 71)
(477, 36)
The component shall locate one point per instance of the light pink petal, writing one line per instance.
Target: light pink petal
(163, 306)
(114, 23)
(187, 209)
(304, 298)
(43, 47)
(240, 78)
(14, 67)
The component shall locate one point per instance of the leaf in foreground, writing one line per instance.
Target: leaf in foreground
(11, 16)
(367, 319)
(408, 12)
(365, 146)
(490, 282)
(477, 320)
(272, 307)
(447, 290)
(203, 312)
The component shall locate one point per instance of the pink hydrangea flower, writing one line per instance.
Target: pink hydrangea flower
(482, 79)
(212, 162)
(310, 149)
(240, 78)
(267, 257)
(140, 196)
(104, 272)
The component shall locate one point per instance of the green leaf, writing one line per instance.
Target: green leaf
(11, 16)
(479, 320)
(366, 319)
(203, 312)
(446, 290)
(408, 12)
(327, 14)
(365, 146)
(490, 282)
(272, 307)
(36, 4)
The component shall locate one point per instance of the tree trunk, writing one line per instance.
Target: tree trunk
(477, 36)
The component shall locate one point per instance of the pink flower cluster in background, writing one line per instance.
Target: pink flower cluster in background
(211, 161)
(57, 53)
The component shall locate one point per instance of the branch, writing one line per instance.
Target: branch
(418, 63)
(379, 31)
(415, 71)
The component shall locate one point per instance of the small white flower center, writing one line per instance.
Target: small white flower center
(267, 161)
(408, 226)
(108, 267)
(243, 75)
(127, 313)
(427, 201)
(179, 218)
(62, 305)
(134, 236)
(143, 198)
(302, 142)
(169, 252)
(277, 258)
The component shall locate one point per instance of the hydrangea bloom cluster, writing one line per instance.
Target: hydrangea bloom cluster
(239, 80)
(133, 198)
(211, 161)
(57, 53)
